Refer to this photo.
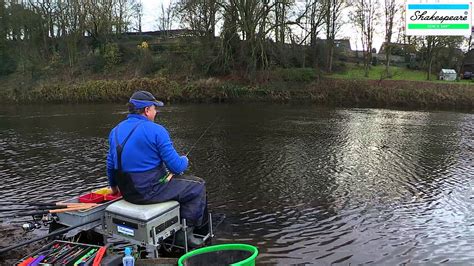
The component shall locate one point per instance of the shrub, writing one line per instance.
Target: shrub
(339, 67)
(375, 61)
(94, 62)
(112, 55)
(297, 74)
(7, 64)
(147, 63)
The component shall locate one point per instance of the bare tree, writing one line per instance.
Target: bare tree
(390, 9)
(281, 8)
(99, 20)
(120, 12)
(230, 39)
(165, 20)
(46, 9)
(46, 31)
(137, 13)
(248, 15)
(3, 25)
(365, 18)
(199, 15)
(4, 57)
(313, 15)
(317, 13)
(402, 37)
(332, 16)
(75, 16)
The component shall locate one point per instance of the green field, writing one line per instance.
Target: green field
(356, 72)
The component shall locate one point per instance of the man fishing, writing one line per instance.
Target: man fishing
(143, 164)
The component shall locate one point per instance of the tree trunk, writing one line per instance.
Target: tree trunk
(212, 19)
(428, 76)
(470, 43)
(330, 56)
(430, 46)
(277, 21)
(388, 52)
(3, 23)
(328, 33)
(140, 23)
(366, 64)
(282, 21)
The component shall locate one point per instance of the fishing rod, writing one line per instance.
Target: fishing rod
(37, 208)
(168, 177)
(45, 208)
(52, 234)
(44, 203)
(45, 211)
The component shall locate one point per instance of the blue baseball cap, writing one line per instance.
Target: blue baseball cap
(142, 99)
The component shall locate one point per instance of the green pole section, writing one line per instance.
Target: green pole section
(438, 26)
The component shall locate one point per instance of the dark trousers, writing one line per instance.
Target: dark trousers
(189, 191)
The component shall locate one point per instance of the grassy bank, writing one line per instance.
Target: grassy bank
(354, 71)
(325, 91)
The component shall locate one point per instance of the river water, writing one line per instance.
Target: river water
(304, 184)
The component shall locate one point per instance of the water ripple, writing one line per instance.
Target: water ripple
(306, 185)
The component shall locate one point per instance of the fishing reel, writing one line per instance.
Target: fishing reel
(47, 219)
(31, 226)
(38, 221)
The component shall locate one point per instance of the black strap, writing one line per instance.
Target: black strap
(119, 147)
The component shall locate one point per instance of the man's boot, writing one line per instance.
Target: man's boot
(193, 241)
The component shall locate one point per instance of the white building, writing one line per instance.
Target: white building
(447, 74)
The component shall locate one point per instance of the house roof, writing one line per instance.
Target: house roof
(447, 71)
(343, 42)
(163, 32)
(404, 46)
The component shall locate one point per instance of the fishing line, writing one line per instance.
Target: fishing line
(202, 135)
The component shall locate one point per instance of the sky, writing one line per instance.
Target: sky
(152, 9)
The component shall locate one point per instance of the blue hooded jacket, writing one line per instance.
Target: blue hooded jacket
(145, 155)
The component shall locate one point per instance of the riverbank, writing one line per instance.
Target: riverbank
(14, 234)
(323, 91)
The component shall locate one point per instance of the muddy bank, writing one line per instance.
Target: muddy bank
(12, 234)
(330, 92)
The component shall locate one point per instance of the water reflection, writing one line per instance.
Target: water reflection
(305, 184)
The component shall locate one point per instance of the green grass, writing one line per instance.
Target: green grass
(356, 72)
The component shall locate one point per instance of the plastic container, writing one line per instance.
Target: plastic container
(74, 218)
(103, 191)
(128, 259)
(91, 198)
(112, 197)
(225, 254)
(106, 192)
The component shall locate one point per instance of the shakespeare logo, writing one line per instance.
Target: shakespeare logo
(438, 19)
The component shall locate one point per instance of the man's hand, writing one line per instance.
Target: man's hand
(168, 178)
(170, 175)
(185, 157)
(115, 190)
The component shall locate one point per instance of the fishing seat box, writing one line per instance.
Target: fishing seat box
(146, 224)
